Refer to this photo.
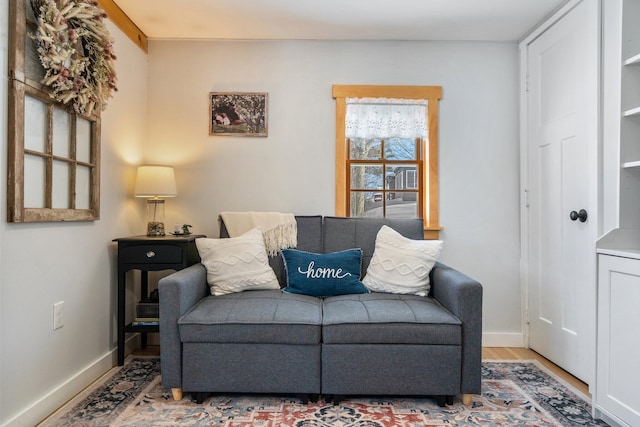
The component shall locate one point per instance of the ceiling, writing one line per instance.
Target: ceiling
(481, 20)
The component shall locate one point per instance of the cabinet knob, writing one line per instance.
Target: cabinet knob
(151, 254)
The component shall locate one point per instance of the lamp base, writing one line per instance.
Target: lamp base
(155, 217)
(155, 228)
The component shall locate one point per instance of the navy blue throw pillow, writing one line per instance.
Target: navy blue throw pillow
(323, 275)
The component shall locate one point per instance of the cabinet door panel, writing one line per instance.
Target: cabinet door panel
(618, 344)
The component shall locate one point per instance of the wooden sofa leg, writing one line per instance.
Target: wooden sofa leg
(467, 399)
(177, 393)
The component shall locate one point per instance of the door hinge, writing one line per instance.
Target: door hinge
(526, 83)
(526, 198)
(526, 315)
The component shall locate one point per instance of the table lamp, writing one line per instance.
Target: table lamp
(155, 182)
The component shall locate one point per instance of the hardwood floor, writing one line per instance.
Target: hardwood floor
(151, 350)
(516, 353)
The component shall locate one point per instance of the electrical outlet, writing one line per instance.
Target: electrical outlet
(58, 315)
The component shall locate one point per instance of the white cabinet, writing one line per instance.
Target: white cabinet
(618, 357)
(616, 395)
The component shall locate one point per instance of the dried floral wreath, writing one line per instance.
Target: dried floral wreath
(76, 51)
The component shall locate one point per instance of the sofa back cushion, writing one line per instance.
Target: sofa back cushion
(346, 233)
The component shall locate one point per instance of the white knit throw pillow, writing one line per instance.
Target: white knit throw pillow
(400, 265)
(237, 264)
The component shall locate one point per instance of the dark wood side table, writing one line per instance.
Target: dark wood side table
(149, 254)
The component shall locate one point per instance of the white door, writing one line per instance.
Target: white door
(561, 183)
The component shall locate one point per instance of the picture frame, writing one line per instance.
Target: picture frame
(238, 114)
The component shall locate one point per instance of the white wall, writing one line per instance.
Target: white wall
(292, 170)
(74, 262)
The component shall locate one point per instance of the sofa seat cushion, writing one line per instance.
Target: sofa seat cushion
(255, 317)
(381, 318)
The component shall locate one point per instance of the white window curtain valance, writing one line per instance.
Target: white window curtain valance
(383, 118)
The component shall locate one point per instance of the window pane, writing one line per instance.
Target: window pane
(366, 177)
(83, 140)
(400, 149)
(29, 13)
(60, 197)
(61, 132)
(365, 149)
(402, 205)
(33, 69)
(83, 176)
(411, 179)
(35, 124)
(34, 177)
(401, 177)
(366, 204)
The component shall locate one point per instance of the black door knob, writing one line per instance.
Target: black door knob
(581, 215)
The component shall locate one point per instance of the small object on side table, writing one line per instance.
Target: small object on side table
(185, 230)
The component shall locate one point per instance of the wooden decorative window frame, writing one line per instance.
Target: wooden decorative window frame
(430, 176)
(22, 85)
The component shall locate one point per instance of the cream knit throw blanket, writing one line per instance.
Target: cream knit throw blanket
(279, 230)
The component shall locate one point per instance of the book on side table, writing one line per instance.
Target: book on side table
(146, 321)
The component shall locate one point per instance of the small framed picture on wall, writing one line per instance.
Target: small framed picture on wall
(238, 113)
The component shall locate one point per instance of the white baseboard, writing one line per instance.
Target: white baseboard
(610, 419)
(49, 403)
(503, 340)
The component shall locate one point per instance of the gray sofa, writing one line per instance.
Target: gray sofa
(268, 341)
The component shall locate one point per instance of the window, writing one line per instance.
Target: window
(382, 176)
(54, 153)
(390, 176)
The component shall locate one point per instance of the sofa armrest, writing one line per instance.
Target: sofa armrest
(178, 293)
(462, 296)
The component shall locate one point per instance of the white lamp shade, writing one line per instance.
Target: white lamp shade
(155, 181)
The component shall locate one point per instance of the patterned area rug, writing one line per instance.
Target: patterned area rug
(519, 393)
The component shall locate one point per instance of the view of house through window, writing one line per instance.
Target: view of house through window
(384, 178)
